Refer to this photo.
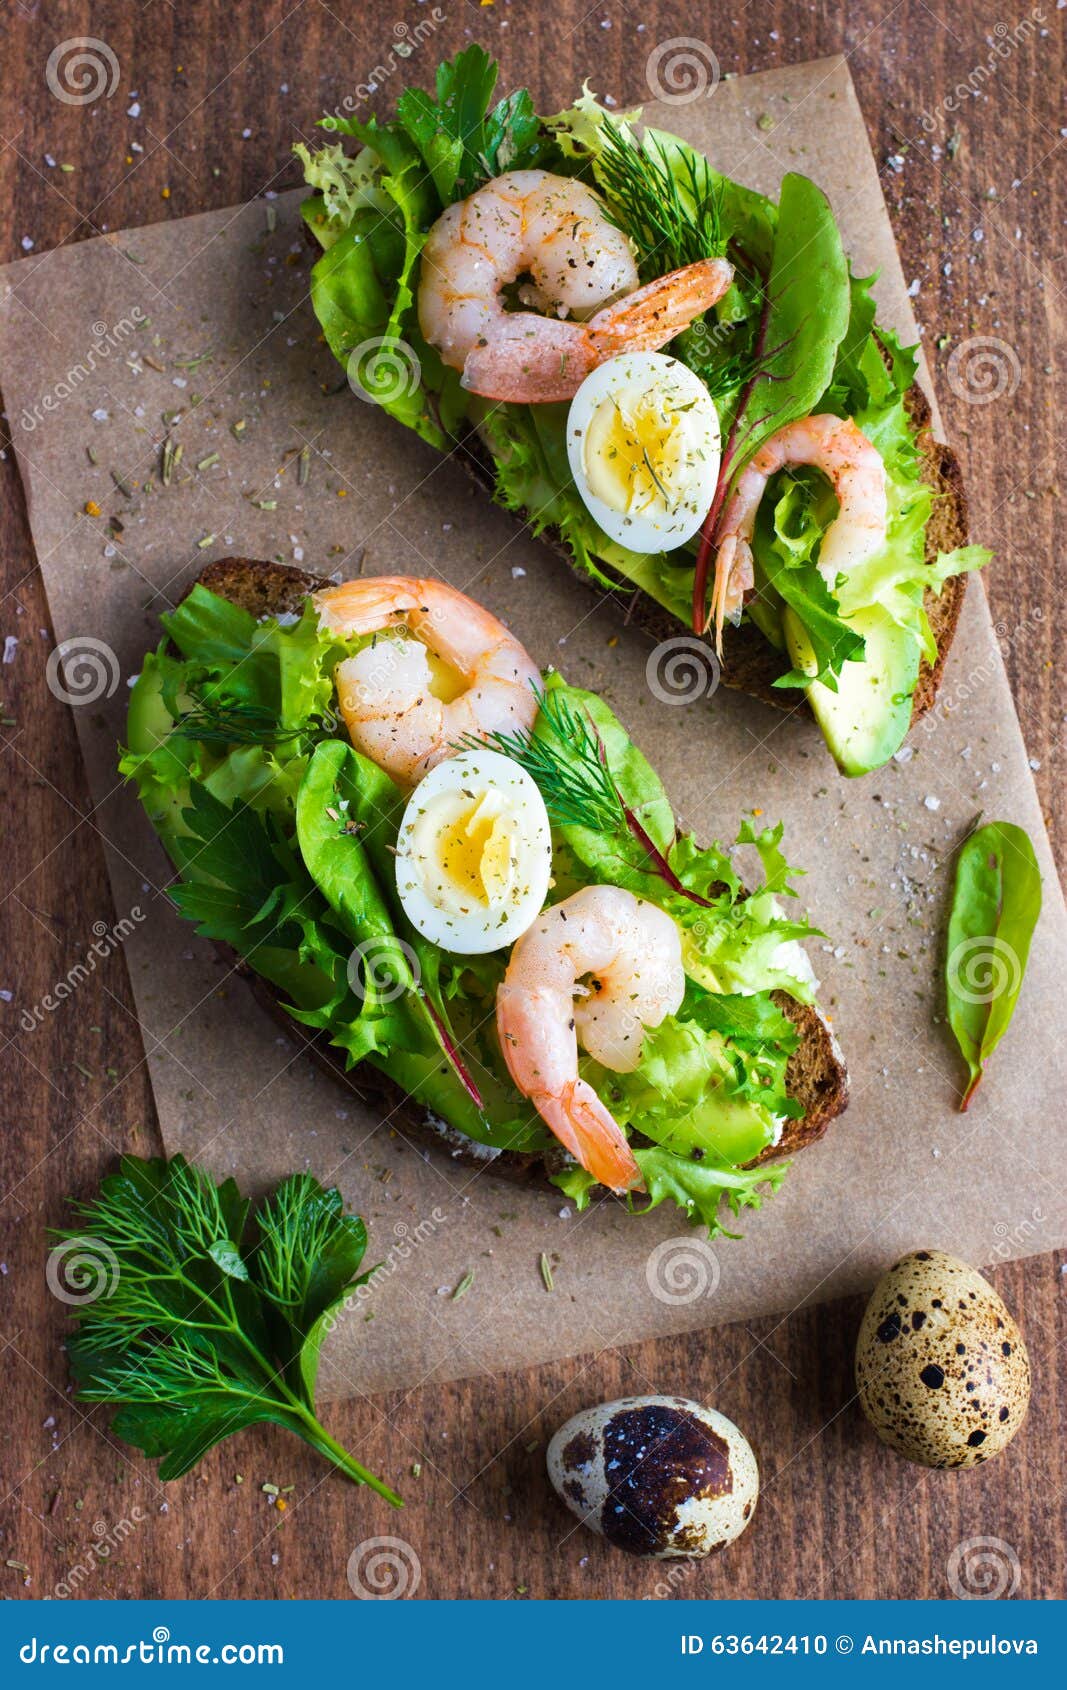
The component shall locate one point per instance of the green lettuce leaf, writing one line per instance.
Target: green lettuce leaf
(700, 1188)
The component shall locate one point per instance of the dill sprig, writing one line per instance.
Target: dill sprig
(670, 208)
(569, 764)
(229, 721)
(565, 763)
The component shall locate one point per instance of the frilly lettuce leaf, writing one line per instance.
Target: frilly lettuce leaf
(698, 1188)
(344, 184)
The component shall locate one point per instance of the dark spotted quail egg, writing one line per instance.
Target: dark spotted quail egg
(941, 1367)
(657, 1476)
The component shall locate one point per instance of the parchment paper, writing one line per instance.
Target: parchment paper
(901, 1168)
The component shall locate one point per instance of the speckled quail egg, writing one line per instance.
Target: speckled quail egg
(657, 1476)
(941, 1367)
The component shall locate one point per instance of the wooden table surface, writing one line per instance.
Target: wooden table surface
(210, 97)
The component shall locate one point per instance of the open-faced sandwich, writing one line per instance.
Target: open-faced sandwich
(508, 283)
(461, 875)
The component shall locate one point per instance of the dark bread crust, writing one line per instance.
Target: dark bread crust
(815, 1074)
(750, 663)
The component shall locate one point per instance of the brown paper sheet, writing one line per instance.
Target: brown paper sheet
(901, 1168)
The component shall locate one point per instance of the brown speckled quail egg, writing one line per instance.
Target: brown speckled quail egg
(658, 1476)
(941, 1367)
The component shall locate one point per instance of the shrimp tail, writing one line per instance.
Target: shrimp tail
(648, 319)
(591, 1134)
(532, 360)
(734, 577)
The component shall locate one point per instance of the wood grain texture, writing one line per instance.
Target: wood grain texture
(980, 229)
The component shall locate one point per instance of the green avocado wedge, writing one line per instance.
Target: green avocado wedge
(865, 721)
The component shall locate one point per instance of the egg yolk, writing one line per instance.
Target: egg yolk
(634, 448)
(475, 852)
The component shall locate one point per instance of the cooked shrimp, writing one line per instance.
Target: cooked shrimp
(389, 693)
(633, 953)
(852, 464)
(555, 231)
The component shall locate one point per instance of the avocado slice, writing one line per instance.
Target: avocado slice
(866, 719)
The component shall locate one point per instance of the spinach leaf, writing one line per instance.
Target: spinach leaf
(331, 846)
(996, 901)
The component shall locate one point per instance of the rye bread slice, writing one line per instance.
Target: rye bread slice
(816, 1074)
(750, 663)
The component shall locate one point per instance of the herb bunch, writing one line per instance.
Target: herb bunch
(671, 209)
(203, 1326)
(566, 764)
